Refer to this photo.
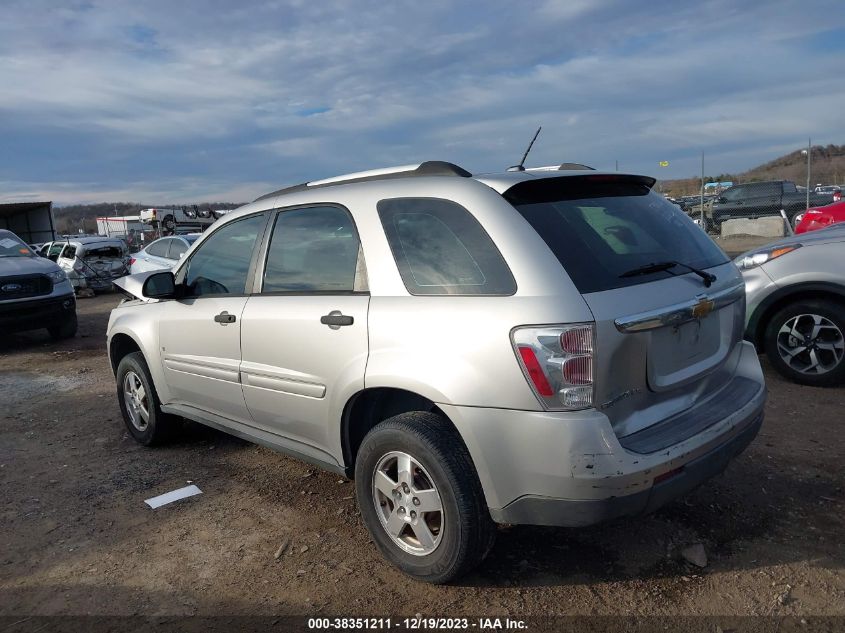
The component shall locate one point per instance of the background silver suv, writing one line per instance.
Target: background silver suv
(795, 289)
(547, 347)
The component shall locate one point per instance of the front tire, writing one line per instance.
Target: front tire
(65, 329)
(805, 342)
(139, 402)
(421, 499)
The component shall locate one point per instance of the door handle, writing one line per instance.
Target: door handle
(224, 318)
(335, 319)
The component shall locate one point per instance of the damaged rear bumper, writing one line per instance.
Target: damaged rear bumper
(571, 469)
(537, 510)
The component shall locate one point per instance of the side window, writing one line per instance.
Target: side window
(312, 250)
(734, 193)
(441, 249)
(763, 190)
(177, 248)
(789, 187)
(159, 248)
(69, 252)
(55, 249)
(221, 264)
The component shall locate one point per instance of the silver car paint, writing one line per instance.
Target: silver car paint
(145, 261)
(821, 258)
(453, 350)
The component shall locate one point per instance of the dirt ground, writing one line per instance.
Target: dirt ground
(77, 537)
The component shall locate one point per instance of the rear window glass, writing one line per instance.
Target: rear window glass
(102, 251)
(600, 230)
(441, 249)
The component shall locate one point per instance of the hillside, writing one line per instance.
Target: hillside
(73, 217)
(827, 167)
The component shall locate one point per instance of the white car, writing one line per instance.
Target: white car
(162, 254)
(88, 261)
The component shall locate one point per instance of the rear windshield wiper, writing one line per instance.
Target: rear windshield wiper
(656, 267)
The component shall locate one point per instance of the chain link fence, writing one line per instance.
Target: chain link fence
(765, 198)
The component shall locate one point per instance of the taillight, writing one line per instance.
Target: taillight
(131, 261)
(837, 196)
(558, 363)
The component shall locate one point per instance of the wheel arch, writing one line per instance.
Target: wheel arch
(784, 296)
(372, 405)
(120, 345)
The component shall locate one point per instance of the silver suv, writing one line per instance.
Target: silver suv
(546, 347)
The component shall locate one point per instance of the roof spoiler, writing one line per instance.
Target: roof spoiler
(553, 188)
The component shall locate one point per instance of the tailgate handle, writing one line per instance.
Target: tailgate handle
(224, 318)
(680, 313)
(335, 319)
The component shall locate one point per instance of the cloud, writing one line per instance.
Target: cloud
(178, 99)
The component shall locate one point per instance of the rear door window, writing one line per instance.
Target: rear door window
(441, 249)
(177, 249)
(159, 248)
(313, 249)
(69, 252)
(601, 229)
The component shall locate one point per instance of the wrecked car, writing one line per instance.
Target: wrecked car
(91, 262)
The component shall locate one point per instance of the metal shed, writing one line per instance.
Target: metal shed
(31, 221)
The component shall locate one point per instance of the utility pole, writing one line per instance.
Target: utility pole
(703, 225)
(809, 151)
(617, 165)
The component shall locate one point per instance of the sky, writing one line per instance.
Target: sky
(213, 100)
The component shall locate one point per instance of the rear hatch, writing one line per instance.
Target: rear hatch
(666, 335)
(103, 262)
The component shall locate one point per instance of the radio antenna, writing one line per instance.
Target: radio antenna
(521, 166)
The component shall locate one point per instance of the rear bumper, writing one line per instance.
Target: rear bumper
(32, 314)
(536, 510)
(571, 469)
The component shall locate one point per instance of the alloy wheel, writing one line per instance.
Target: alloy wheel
(407, 503)
(136, 401)
(811, 344)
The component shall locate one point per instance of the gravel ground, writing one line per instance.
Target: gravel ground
(78, 539)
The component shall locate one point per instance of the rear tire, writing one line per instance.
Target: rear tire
(66, 329)
(139, 402)
(805, 342)
(455, 534)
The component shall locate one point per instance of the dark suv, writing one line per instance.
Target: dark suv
(34, 292)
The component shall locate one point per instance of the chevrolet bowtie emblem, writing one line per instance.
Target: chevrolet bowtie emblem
(703, 308)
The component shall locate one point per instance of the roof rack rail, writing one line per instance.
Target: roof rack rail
(428, 168)
(563, 167)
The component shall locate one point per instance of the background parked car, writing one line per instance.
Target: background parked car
(762, 199)
(820, 217)
(34, 292)
(795, 298)
(161, 254)
(90, 262)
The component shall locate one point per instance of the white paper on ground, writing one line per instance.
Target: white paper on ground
(173, 495)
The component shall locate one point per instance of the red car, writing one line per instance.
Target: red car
(821, 217)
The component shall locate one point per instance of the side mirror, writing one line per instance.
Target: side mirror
(159, 286)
